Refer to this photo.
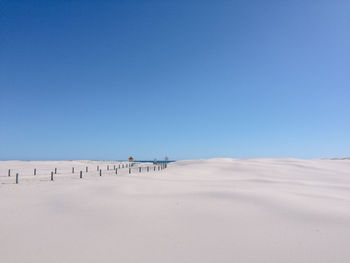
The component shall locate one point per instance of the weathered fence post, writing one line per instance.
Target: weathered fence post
(51, 176)
(81, 174)
(55, 170)
(147, 168)
(140, 169)
(87, 169)
(100, 172)
(72, 170)
(107, 167)
(34, 171)
(17, 178)
(9, 172)
(98, 168)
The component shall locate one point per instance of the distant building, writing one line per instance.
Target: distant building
(131, 159)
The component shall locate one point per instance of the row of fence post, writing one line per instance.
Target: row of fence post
(160, 167)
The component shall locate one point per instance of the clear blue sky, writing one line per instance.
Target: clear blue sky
(187, 79)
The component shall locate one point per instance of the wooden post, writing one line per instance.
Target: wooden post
(9, 172)
(72, 170)
(87, 169)
(140, 169)
(100, 172)
(55, 170)
(17, 178)
(98, 168)
(51, 176)
(34, 171)
(81, 174)
(114, 167)
(116, 171)
(107, 167)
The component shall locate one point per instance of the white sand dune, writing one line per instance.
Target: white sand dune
(217, 210)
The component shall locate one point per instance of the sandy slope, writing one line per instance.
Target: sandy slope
(218, 210)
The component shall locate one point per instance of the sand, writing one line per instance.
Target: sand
(216, 210)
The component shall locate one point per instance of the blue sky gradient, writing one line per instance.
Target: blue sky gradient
(187, 79)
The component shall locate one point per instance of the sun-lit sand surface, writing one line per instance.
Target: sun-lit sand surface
(217, 210)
